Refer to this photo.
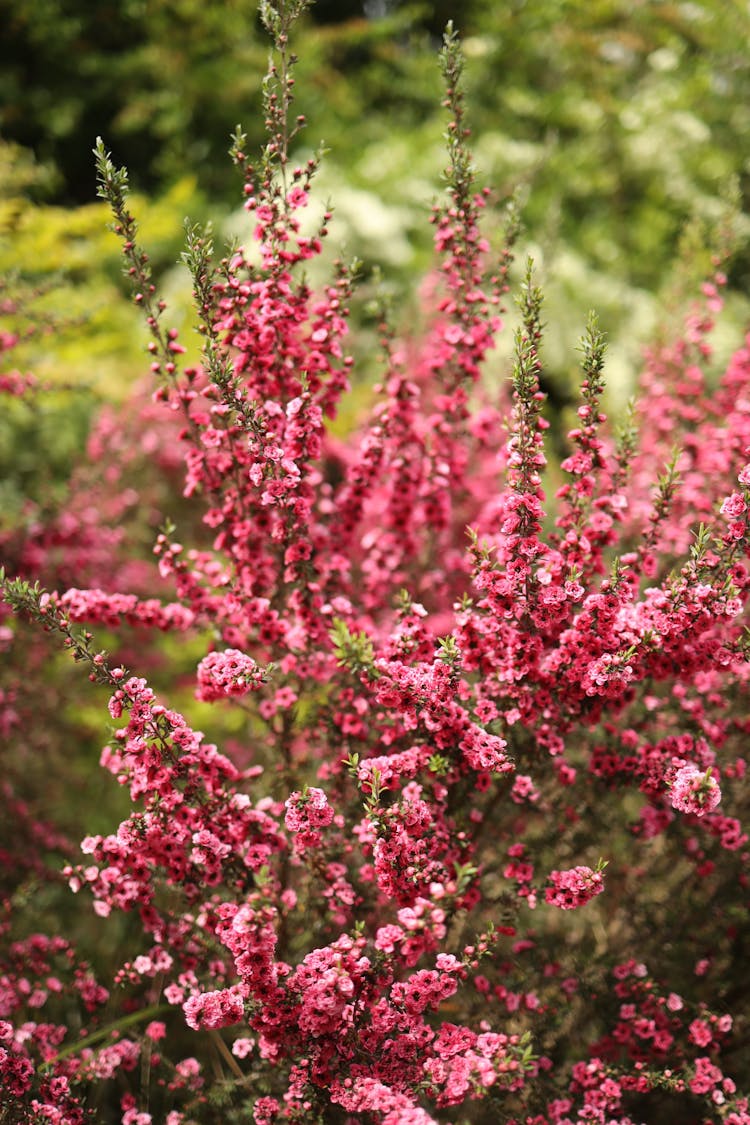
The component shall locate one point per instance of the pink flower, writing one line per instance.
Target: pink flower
(700, 1033)
(265, 1111)
(734, 506)
(228, 673)
(694, 791)
(574, 887)
(214, 1009)
(706, 1076)
(306, 814)
(242, 1047)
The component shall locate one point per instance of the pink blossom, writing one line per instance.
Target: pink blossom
(700, 1033)
(306, 814)
(219, 1008)
(694, 791)
(573, 888)
(228, 673)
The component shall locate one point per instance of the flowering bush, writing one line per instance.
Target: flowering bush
(479, 843)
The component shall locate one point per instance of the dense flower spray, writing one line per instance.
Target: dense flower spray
(479, 771)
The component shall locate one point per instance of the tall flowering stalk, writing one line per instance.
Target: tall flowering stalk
(480, 776)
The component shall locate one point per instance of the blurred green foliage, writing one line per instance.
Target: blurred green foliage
(620, 122)
(628, 115)
(63, 294)
(157, 77)
(639, 114)
(41, 438)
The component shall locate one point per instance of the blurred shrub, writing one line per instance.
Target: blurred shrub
(62, 280)
(618, 123)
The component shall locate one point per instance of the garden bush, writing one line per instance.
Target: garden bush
(472, 848)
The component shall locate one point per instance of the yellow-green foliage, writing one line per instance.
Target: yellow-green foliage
(63, 271)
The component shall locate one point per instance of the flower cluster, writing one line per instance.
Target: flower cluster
(227, 673)
(344, 912)
(694, 791)
(570, 889)
(306, 814)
